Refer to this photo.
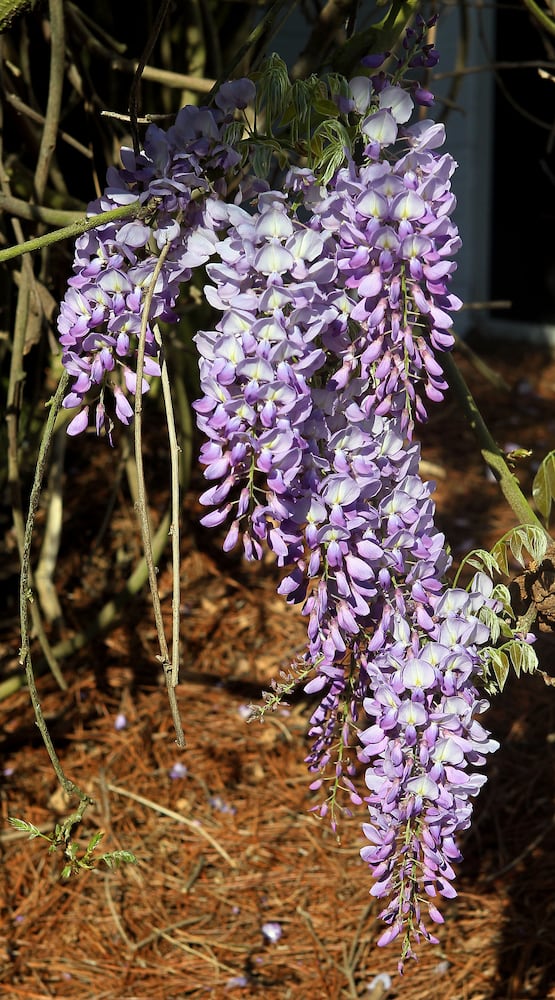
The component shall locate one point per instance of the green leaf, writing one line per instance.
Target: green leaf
(335, 141)
(301, 99)
(21, 824)
(517, 541)
(262, 160)
(530, 662)
(379, 37)
(10, 9)
(537, 542)
(514, 456)
(326, 108)
(522, 655)
(233, 135)
(500, 555)
(116, 858)
(273, 91)
(502, 593)
(291, 117)
(338, 85)
(500, 663)
(543, 486)
(482, 560)
(94, 841)
(316, 148)
(490, 619)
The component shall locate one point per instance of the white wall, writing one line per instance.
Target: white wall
(469, 125)
(469, 133)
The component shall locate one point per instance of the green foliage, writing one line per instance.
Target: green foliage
(515, 653)
(75, 864)
(379, 37)
(516, 542)
(329, 143)
(509, 646)
(543, 487)
(514, 456)
(306, 117)
(265, 153)
(273, 91)
(10, 9)
(498, 662)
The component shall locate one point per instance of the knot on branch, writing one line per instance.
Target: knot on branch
(536, 587)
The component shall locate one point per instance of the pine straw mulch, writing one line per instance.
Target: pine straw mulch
(232, 844)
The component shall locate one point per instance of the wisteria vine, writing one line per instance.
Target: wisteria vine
(334, 302)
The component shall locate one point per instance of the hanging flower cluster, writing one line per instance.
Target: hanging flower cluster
(179, 181)
(335, 306)
(423, 746)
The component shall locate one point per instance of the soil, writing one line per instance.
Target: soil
(224, 833)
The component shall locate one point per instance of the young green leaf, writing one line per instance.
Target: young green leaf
(336, 141)
(492, 621)
(273, 91)
(482, 560)
(262, 160)
(502, 593)
(524, 538)
(25, 827)
(500, 554)
(522, 656)
(500, 663)
(94, 841)
(543, 486)
(326, 108)
(117, 858)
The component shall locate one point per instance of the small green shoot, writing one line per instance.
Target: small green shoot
(75, 863)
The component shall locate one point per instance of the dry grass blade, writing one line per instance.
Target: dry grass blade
(191, 824)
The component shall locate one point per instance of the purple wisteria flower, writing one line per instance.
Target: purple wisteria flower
(179, 181)
(333, 314)
(327, 338)
(423, 745)
(334, 307)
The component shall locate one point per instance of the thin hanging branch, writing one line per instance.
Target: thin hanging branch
(26, 595)
(142, 508)
(175, 509)
(54, 103)
(544, 19)
(46, 567)
(27, 290)
(135, 86)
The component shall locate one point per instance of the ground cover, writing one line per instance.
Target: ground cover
(224, 834)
